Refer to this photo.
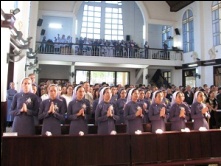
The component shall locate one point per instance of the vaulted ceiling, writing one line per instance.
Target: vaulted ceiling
(177, 5)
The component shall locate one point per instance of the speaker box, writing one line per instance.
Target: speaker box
(177, 31)
(40, 21)
(127, 37)
(43, 32)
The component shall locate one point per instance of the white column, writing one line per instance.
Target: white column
(199, 80)
(5, 43)
(72, 73)
(145, 76)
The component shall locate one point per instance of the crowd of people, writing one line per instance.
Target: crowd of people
(93, 47)
(51, 105)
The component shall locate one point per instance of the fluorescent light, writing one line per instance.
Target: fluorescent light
(76, 27)
(192, 65)
(55, 25)
(207, 63)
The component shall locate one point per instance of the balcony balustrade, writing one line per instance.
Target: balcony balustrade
(107, 51)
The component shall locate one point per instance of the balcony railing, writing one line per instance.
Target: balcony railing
(107, 51)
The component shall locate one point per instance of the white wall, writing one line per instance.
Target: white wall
(50, 33)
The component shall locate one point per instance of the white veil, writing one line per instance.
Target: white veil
(129, 95)
(174, 97)
(101, 97)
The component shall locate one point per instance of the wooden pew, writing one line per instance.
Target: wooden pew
(120, 128)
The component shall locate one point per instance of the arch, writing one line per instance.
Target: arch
(139, 4)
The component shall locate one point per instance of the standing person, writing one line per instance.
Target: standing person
(165, 49)
(105, 114)
(88, 96)
(24, 107)
(218, 113)
(212, 104)
(77, 109)
(68, 95)
(148, 102)
(120, 105)
(157, 112)
(199, 111)
(32, 77)
(133, 112)
(188, 94)
(10, 94)
(52, 112)
(146, 49)
(144, 104)
(34, 90)
(179, 112)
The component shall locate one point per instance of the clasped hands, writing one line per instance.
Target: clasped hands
(110, 111)
(24, 108)
(139, 112)
(205, 109)
(162, 112)
(51, 108)
(182, 112)
(81, 112)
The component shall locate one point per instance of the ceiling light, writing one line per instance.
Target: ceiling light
(193, 65)
(55, 25)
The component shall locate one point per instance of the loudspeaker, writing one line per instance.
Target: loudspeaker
(40, 21)
(127, 37)
(177, 31)
(43, 32)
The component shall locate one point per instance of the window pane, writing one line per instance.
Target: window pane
(97, 31)
(114, 32)
(107, 26)
(107, 20)
(112, 14)
(97, 25)
(122, 78)
(90, 24)
(107, 31)
(108, 15)
(81, 76)
(97, 9)
(102, 76)
(96, 14)
(97, 36)
(108, 37)
(89, 35)
(120, 32)
(97, 19)
(83, 30)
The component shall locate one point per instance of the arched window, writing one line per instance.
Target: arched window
(166, 36)
(102, 19)
(188, 36)
(216, 21)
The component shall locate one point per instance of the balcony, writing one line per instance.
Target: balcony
(108, 54)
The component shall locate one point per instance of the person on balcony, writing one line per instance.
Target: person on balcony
(146, 49)
(165, 50)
